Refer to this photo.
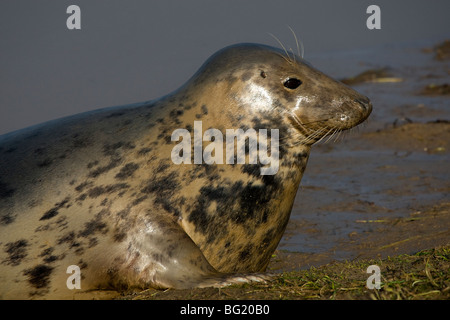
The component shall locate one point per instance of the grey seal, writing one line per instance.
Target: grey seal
(100, 190)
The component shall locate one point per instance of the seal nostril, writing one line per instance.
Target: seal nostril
(365, 103)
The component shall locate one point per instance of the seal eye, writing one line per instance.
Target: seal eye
(292, 83)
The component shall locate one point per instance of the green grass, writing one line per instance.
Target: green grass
(425, 275)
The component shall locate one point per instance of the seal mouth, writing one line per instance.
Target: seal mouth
(351, 114)
(366, 107)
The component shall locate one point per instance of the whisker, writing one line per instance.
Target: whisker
(332, 135)
(315, 121)
(324, 136)
(301, 54)
(293, 54)
(296, 119)
(284, 48)
(312, 137)
(339, 134)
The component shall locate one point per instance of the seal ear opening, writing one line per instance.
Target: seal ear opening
(292, 83)
(263, 74)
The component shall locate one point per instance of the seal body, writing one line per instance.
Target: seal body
(100, 190)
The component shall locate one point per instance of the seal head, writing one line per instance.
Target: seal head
(317, 105)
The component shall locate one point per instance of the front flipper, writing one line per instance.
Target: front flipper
(162, 255)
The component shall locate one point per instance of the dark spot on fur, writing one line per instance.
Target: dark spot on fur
(127, 122)
(162, 166)
(122, 214)
(204, 170)
(252, 170)
(83, 185)
(157, 257)
(168, 139)
(35, 133)
(127, 171)
(238, 202)
(39, 151)
(144, 151)
(115, 114)
(39, 276)
(138, 200)
(61, 223)
(100, 170)
(80, 142)
(6, 218)
(34, 202)
(111, 149)
(163, 186)
(270, 235)
(45, 163)
(16, 252)
(169, 206)
(170, 250)
(49, 214)
(163, 133)
(5, 190)
(91, 164)
(46, 252)
(67, 238)
(70, 239)
(82, 197)
(204, 112)
(246, 76)
(47, 255)
(54, 211)
(50, 259)
(97, 191)
(79, 250)
(94, 225)
(119, 236)
(92, 242)
(176, 113)
(300, 159)
(82, 264)
(10, 150)
(246, 252)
